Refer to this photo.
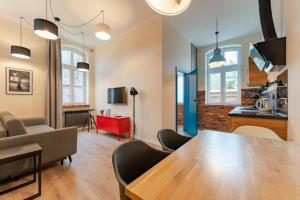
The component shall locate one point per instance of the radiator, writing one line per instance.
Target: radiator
(76, 118)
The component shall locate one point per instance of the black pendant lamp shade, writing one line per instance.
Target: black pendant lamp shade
(20, 52)
(82, 66)
(45, 29)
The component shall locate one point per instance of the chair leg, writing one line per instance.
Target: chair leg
(70, 158)
(94, 122)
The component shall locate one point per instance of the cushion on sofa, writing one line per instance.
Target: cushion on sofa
(3, 131)
(13, 125)
(39, 129)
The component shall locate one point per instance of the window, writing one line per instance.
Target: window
(180, 90)
(223, 84)
(75, 83)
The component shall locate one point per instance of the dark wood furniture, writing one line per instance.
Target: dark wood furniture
(21, 152)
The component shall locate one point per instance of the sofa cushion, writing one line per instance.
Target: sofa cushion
(13, 125)
(39, 129)
(3, 131)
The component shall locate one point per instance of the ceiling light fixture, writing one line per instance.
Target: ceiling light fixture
(83, 66)
(218, 60)
(169, 7)
(103, 31)
(20, 51)
(44, 28)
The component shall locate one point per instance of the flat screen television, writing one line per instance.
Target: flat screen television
(116, 95)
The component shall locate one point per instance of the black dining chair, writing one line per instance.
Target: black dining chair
(171, 140)
(132, 159)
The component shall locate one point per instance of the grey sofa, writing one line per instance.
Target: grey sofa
(57, 144)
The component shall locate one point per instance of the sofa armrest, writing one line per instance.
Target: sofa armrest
(34, 121)
(56, 145)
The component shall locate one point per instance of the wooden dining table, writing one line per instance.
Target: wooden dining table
(223, 166)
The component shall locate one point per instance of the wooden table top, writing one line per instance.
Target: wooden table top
(223, 166)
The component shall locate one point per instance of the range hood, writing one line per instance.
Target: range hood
(271, 52)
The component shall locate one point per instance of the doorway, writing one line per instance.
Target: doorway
(186, 102)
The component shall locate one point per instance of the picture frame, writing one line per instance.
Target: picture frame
(19, 81)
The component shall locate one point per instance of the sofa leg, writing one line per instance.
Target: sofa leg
(70, 158)
(62, 162)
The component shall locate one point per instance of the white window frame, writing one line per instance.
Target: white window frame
(222, 71)
(72, 68)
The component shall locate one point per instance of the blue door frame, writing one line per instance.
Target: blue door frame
(190, 101)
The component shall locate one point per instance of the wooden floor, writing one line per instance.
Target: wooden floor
(90, 176)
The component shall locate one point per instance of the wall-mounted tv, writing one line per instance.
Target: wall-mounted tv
(116, 95)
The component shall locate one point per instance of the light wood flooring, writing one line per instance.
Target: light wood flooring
(90, 176)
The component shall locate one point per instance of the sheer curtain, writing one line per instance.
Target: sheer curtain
(54, 85)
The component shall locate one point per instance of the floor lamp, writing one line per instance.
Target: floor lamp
(133, 93)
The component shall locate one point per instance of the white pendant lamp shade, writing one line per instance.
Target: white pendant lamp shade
(169, 7)
(45, 29)
(103, 31)
(20, 52)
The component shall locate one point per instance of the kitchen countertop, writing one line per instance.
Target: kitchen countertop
(250, 111)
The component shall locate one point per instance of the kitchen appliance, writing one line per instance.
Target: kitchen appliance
(273, 49)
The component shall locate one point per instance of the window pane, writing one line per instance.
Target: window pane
(78, 78)
(180, 88)
(66, 57)
(231, 87)
(76, 58)
(66, 94)
(232, 57)
(215, 88)
(66, 77)
(78, 95)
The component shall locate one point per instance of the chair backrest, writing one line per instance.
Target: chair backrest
(257, 131)
(171, 140)
(132, 159)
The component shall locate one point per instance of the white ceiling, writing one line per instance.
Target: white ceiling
(197, 23)
(236, 18)
(121, 15)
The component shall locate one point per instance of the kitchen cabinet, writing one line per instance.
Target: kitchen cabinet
(256, 77)
(279, 126)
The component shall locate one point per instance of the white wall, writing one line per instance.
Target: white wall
(293, 63)
(244, 41)
(22, 105)
(176, 53)
(134, 59)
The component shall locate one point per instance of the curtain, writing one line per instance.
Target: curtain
(54, 111)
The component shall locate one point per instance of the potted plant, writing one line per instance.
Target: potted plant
(102, 112)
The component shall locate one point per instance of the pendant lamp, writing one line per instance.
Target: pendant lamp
(169, 7)
(45, 28)
(20, 51)
(83, 66)
(103, 31)
(218, 60)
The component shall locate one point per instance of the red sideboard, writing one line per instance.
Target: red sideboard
(117, 125)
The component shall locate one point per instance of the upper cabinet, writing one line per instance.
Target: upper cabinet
(256, 77)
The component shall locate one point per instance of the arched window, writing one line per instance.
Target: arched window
(75, 83)
(223, 84)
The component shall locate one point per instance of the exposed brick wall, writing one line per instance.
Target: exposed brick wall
(216, 116)
(180, 114)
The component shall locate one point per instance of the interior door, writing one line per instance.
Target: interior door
(191, 103)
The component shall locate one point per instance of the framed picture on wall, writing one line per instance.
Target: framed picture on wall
(19, 81)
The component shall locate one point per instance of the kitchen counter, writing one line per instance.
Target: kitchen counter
(242, 111)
